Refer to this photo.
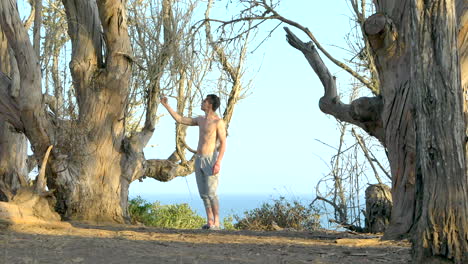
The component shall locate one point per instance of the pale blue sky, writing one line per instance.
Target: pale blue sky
(272, 146)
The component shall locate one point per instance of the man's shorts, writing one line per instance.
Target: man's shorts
(206, 181)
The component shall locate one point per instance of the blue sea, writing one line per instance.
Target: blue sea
(230, 204)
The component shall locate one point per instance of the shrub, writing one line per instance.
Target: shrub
(228, 223)
(282, 213)
(164, 216)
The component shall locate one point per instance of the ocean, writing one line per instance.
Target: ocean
(230, 204)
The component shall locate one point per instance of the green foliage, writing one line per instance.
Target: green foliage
(228, 223)
(282, 213)
(164, 216)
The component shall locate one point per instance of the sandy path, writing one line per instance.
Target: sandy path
(79, 243)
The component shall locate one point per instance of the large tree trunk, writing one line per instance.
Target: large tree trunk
(93, 161)
(415, 46)
(441, 172)
(87, 172)
(392, 55)
(420, 51)
(31, 203)
(13, 161)
(92, 187)
(87, 169)
(13, 145)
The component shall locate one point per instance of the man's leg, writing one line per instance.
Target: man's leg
(208, 209)
(215, 211)
(203, 190)
(208, 185)
(209, 216)
(213, 198)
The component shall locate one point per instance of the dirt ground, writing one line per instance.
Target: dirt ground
(65, 242)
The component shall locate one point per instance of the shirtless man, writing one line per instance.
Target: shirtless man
(208, 158)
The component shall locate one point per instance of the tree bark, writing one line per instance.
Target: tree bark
(13, 157)
(420, 52)
(86, 166)
(392, 59)
(87, 172)
(441, 172)
(423, 120)
(13, 144)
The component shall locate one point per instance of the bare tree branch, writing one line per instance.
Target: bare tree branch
(233, 72)
(41, 180)
(188, 147)
(113, 16)
(462, 18)
(366, 154)
(9, 110)
(161, 61)
(271, 13)
(37, 26)
(18, 40)
(36, 125)
(31, 163)
(84, 29)
(29, 21)
(86, 35)
(166, 170)
(328, 55)
(367, 51)
(335, 206)
(363, 112)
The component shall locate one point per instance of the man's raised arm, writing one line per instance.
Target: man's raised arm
(178, 118)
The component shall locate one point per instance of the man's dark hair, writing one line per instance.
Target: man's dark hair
(214, 101)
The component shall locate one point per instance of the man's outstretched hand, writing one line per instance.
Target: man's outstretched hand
(164, 100)
(216, 168)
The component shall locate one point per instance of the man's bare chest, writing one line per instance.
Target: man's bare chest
(207, 126)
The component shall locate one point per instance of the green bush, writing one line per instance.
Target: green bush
(228, 223)
(164, 216)
(281, 213)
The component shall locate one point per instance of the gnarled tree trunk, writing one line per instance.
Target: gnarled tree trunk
(441, 169)
(94, 159)
(89, 169)
(13, 161)
(31, 203)
(89, 173)
(13, 145)
(390, 46)
(420, 53)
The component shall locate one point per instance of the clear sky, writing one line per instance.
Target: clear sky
(272, 146)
